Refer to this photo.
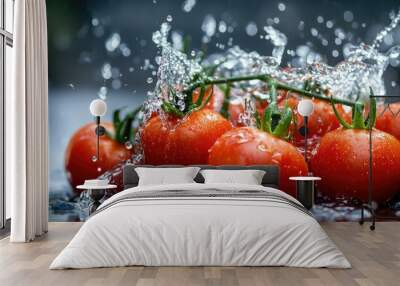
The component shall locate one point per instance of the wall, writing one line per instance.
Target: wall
(104, 49)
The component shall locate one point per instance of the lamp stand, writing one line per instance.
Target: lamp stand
(306, 138)
(100, 131)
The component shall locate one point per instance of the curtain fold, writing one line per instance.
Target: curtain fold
(27, 124)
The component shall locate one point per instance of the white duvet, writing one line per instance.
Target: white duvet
(200, 231)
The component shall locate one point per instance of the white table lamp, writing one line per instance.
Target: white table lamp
(305, 109)
(98, 108)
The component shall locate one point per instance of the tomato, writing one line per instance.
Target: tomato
(216, 100)
(389, 120)
(342, 161)
(82, 147)
(321, 121)
(182, 140)
(250, 146)
(235, 108)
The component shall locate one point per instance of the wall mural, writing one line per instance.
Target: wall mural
(224, 89)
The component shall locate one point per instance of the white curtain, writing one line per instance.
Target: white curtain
(27, 124)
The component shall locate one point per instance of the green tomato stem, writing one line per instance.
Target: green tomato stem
(339, 117)
(372, 113)
(201, 96)
(225, 105)
(278, 85)
(282, 129)
(358, 118)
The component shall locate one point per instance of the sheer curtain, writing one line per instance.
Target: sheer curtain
(27, 124)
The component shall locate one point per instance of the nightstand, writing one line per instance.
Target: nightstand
(96, 193)
(305, 190)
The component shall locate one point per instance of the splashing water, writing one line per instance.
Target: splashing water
(351, 78)
(382, 34)
(279, 41)
(175, 70)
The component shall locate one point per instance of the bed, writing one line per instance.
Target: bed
(198, 224)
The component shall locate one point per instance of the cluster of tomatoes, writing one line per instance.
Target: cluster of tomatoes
(340, 156)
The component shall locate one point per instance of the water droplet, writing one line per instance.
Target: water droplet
(116, 84)
(169, 18)
(113, 42)
(149, 80)
(125, 50)
(106, 71)
(102, 93)
(276, 157)
(251, 29)
(99, 169)
(281, 7)
(314, 32)
(95, 22)
(188, 5)
(209, 25)
(262, 147)
(128, 145)
(94, 158)
(348, 16)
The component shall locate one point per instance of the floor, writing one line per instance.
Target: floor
(375, 257)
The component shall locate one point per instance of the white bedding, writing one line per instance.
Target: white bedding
(183, 231)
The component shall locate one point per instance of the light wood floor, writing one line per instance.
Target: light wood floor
(375, 257)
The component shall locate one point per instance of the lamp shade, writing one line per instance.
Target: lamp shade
(305, 107)
(98, 107)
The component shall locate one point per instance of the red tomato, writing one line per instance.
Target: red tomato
(216, 102)
(342, 162)
(321, 121)
(250, 146)
(389, 120)
(82, 147)
(182, 140)
(217, 97)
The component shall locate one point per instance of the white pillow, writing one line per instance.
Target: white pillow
(163, 176)
(248, 177)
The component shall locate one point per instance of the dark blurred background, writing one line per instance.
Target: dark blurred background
(79, 30)
(104, 48)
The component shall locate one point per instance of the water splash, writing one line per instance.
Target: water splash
(175, 70)
(351, 78)
(279, 41)
(382, 34)
(362, 68)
